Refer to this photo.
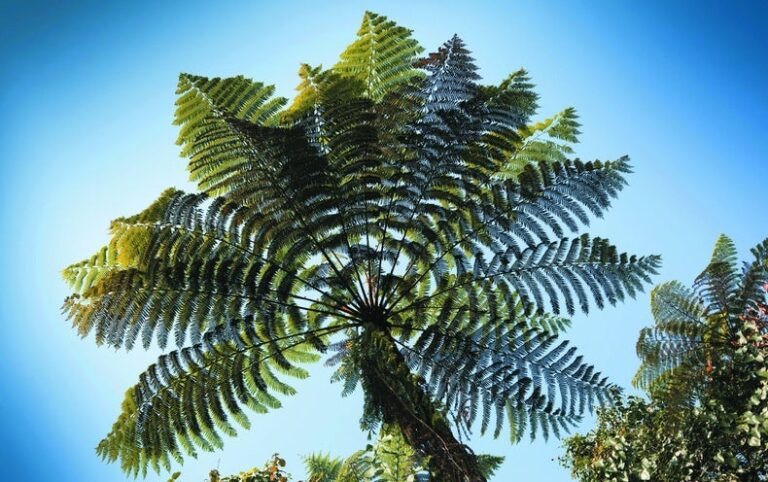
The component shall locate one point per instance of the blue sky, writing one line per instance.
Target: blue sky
(87, 92)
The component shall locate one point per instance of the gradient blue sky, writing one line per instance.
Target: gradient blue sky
(86, 96)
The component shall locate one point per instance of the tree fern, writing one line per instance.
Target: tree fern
(695, 328)
(396, 214)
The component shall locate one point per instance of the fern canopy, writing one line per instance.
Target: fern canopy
(398, 216)
(696, 328)
(705, 371)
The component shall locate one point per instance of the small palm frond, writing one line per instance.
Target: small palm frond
(322, 467)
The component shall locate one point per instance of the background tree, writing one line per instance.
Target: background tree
(381, 218)
(705, 366)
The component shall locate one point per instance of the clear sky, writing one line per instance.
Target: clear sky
(86, 97)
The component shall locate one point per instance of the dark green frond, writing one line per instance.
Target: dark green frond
(717, 285)
(754, 277)
(197, 264)
(190, 397)
(677, 340)
(512, 102)
(502, 370)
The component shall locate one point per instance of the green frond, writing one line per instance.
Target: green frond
(675, 308)
(307, 92)
(500, 371)
(82, 276)
(717, 285)
(489, 464)
(513, 99)
(754, 277)
(676, 342)
(663, 353)
(381, 57)
(322, 467)
(550, 140)
(197, 266)
(204, 109)
(186, 400)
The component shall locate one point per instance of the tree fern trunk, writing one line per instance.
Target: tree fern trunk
(396, 396)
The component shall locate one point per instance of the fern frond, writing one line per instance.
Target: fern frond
(381, 57)
(187, 399)
(550, 140)
(202, 110)
(717, 285)
(180, 267)
(322, 467)
(754, 277)
(487, 371)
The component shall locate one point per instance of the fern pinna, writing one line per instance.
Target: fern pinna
(399, 217)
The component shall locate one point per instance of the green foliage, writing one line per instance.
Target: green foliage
(552, 139)
(389, 459)
(705, 364)
(695, 327)
(272, 471)
(381, 57)
(398, 213)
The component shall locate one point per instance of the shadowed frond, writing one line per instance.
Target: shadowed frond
(186, 265)
(516, 241)
(718, 283)
(189, 397)
(508, 369)
(677, 338)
